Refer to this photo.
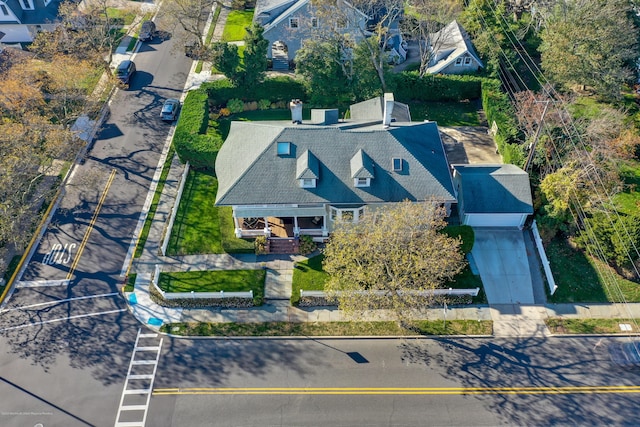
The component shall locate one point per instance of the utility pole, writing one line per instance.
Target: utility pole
(532, 150)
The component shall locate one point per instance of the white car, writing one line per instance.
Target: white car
(170, 110)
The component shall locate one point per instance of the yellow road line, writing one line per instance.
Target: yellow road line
(395, 391)
(94, 218)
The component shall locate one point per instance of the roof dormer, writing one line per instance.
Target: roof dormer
(362, 170)
(308, 170)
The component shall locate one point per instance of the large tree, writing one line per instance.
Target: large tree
(392, 258)
(591, 43)
(191, 15)
(255, 56)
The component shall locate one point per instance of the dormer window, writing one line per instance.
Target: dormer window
(284, 148)
(467, 60)
(308, 183)
(362, 182)
(314, 22)
(293, 23)
(458, 61)
(4, 10)
(396, 164)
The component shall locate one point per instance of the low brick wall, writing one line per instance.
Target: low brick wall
(199, 302)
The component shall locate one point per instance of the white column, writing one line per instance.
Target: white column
(238, 229)
(296, 229)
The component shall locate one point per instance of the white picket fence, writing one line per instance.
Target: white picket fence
(196, 295)
(450, 291)
(543, 257)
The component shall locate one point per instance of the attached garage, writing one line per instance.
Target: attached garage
(492, 195)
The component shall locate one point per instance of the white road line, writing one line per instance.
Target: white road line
(79, 316)
(59, 301)
(41, 283)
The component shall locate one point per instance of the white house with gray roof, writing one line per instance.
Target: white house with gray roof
(492, 195)
(453, 52)
(21, 20)
(284, 179)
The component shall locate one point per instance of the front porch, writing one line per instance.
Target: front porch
(283, 227)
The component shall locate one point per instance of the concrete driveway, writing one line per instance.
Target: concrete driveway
(503, 263)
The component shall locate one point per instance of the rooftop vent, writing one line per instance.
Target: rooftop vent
(296, 111)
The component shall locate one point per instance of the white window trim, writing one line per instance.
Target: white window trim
(4, 9)
(315, 23)
(308, 183)
(458, 62)
(467, 60)
(336, 214)
(358, 183)
(27, 3)
(291, 22)
(393, 164)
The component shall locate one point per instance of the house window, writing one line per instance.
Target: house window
(396, 164)
(284, 148)
(293, 22)
(26, 4)
(347, 214)
(4, 10)
(467, 60)
(362, 182)
(458, 61)
(308, 183)
(314, 22)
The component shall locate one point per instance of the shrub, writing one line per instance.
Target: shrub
(264, 104)
(235, 106)
(251, 106)
(275, 89)
(409, 86)
(225, 112)
(306, 245)
(192, 143)
(261, 245)
(498, 109)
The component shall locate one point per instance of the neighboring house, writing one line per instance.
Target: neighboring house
(492, 195)
(285, 179)
(453, 52)
(21, 20)
(288, 23)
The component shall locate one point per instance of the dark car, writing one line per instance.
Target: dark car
(170, 110)
(126, 69)
(147, 31)
(625, 354)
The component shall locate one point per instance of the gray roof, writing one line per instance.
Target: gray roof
(373, 109)
(500, 188)
(455, 41)
(40, 14)
(250, 171)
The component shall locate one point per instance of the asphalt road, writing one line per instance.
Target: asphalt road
(389, 382)
(65, 347)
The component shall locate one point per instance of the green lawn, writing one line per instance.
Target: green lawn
(629, 200)
(237, 22)
(200, 227)
(426, 327)
(587, 326)
(308, 275)
(214, 281)
(577, 278)
(120, 16)
(446, 113)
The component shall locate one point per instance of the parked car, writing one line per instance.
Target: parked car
(126, 69)
(147, 31)
(625, 354)
(170, 110)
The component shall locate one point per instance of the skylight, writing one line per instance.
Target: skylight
(284, 148)
(397, 164)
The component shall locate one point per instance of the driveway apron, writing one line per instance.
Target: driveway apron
(501, 258)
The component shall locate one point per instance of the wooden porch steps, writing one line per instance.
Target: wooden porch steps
(282, 245)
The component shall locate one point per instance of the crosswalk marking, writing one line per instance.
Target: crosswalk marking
(62, 319)
(146, 378)
(42, 283)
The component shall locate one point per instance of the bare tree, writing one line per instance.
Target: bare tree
(190, 15)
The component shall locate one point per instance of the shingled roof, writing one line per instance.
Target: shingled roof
(250, 171)
(500, 188)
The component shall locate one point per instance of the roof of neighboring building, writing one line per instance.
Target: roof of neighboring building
(452, 38)
(250, 171)
(373, 109)
(41, 14)
(500, 188)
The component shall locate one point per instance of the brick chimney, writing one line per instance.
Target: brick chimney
(296, 111)
(388, 110)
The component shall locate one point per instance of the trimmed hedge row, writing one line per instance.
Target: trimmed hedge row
(409, 86)
(275, 89)
(191, 141)
(498, 109)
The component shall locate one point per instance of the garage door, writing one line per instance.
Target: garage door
(493, 220)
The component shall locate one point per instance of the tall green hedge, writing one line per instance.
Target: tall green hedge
(191, 141)
(409, 86)
(275, 89)
(498, 109)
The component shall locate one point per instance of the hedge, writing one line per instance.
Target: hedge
(192, 143)
(275, 89)
(409, 86)
(498, 109)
